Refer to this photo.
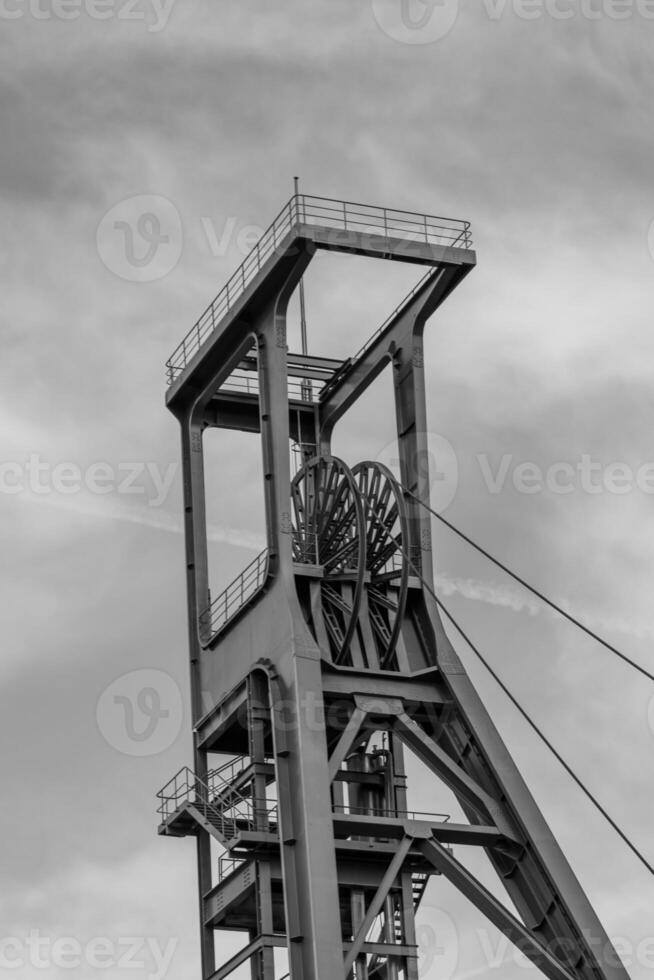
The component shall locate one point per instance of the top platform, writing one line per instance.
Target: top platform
(341, 226)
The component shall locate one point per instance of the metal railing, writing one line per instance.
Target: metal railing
(223, 776)
(184, 787)
(359, 811)
(341, 216)
(228, 865)
(246, 585)
(234, 813)
(244, 382)
(409, 226)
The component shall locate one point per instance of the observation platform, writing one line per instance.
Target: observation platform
(307, 223)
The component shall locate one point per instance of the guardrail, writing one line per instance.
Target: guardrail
(184, 787)
(341, 216)
(227, 866)
(244, 382)
(360, 811)
(237, 593)
(237, 810)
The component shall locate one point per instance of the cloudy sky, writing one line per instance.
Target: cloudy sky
(533, 121)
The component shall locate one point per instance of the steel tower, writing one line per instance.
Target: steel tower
(326, 661)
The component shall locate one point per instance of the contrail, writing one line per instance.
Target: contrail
(162, 520)
(477, 590)
(520, 601)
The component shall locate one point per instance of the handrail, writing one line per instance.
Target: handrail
(305, 209)
(245, 382)
(347, 810)
(186, 787)
(239, 591)
(227, 865)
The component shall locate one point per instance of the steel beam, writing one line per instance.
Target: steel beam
(377, 901)
(497, 913)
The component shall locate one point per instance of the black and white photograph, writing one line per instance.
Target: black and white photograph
(327, 489)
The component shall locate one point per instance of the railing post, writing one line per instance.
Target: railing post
(426, 230)
(345, 215)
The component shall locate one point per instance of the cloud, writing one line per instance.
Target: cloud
(541, 134)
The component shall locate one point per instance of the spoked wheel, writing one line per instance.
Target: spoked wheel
(329, 538)
(386, 544)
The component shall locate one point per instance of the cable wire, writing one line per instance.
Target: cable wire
(531, 588)
(514, 701)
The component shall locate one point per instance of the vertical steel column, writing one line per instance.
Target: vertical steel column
(411, 417)
(310, 878)
(197, 581)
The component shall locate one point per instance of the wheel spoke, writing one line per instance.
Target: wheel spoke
(329, 525)
(386, 543)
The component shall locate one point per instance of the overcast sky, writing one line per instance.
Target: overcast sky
(532, 121)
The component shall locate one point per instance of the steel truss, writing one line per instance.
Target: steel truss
(334, 665)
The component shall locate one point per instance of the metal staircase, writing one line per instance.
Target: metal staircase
(419, 884)
(223, 804)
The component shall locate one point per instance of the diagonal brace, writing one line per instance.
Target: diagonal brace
(346, 740)
(493, 909)
(375, 906)
(463, 785)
